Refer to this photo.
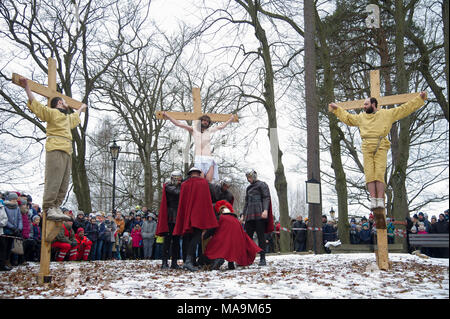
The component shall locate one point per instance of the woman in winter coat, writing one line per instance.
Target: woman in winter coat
(109, 236)
(14, 224)
(136, 239)
(3, 242)
(148, 235)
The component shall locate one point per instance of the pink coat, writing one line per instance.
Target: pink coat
(136, 238)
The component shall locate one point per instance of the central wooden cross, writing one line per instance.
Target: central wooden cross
(49, 228)
(191, 116)
(381, 251)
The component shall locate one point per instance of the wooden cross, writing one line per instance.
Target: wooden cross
(375, 92)
(49, 228)
(188, 116)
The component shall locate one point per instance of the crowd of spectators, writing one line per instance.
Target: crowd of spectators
(94, 236)
(104, 236)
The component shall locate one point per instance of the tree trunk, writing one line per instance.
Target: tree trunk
(269, 104)
(312, 123)
(335, 148)
(400, 202)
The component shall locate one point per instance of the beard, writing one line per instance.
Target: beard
(369, 110)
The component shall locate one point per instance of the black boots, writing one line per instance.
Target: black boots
(4, 267)
(189, 264)
(164, 265)
(174, 264)
(217, 263)
(231, 265)
(262, 259)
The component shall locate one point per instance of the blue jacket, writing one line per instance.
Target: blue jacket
(14, 219)
(91, 231)
(364, 235)
(101, 231)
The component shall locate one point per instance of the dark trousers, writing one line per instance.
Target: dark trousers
(172, 244)
(193, 240)
(259, 226)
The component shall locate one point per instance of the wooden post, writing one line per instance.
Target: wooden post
(49, 228)
(382, 252)
(191, 116)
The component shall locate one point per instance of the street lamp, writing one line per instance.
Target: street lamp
(114, 150)
(332, 213)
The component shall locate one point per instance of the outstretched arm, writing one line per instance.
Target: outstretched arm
(176, 122)
(82, 109)
(344, 116)
(232, 117)
(24, 83)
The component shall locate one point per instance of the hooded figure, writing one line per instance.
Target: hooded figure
(230, 242)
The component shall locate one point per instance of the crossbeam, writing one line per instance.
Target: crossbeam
(375, 92)
(191, 116)
(49, 92)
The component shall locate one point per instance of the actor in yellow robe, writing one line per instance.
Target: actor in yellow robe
(58, 147)
(374, 125)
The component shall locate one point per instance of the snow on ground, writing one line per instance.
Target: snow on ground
(294, 276)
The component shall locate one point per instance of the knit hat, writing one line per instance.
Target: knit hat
(12, 196)
(80, 229)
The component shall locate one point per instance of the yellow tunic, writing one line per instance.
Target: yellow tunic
(59, 125)
(372, 128)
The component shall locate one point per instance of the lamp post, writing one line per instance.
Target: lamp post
(332, 213)
(114, 150)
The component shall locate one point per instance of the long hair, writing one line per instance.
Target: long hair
(207, 118)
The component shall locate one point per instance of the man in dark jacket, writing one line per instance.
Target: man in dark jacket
(91, 233)
(440, 227)
(258, 211)
(299, 234)
(221, 191)
(167, 219)
(328, 232)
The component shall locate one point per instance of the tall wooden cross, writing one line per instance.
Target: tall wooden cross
(375, 92)
(49, 228)
(191, 116)
(381, 252)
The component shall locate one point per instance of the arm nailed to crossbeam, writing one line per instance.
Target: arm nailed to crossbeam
(45, 91)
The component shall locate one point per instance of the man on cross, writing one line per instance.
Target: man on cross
(374, 125)
(201, 132)
(58, 159)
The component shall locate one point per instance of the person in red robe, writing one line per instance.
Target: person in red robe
(230, 242)
(195, 214)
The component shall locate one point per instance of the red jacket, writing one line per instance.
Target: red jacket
(136, 238)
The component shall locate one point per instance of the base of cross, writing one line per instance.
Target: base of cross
(381, 252)
(50, 229)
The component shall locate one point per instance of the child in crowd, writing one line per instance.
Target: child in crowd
(136, 238)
